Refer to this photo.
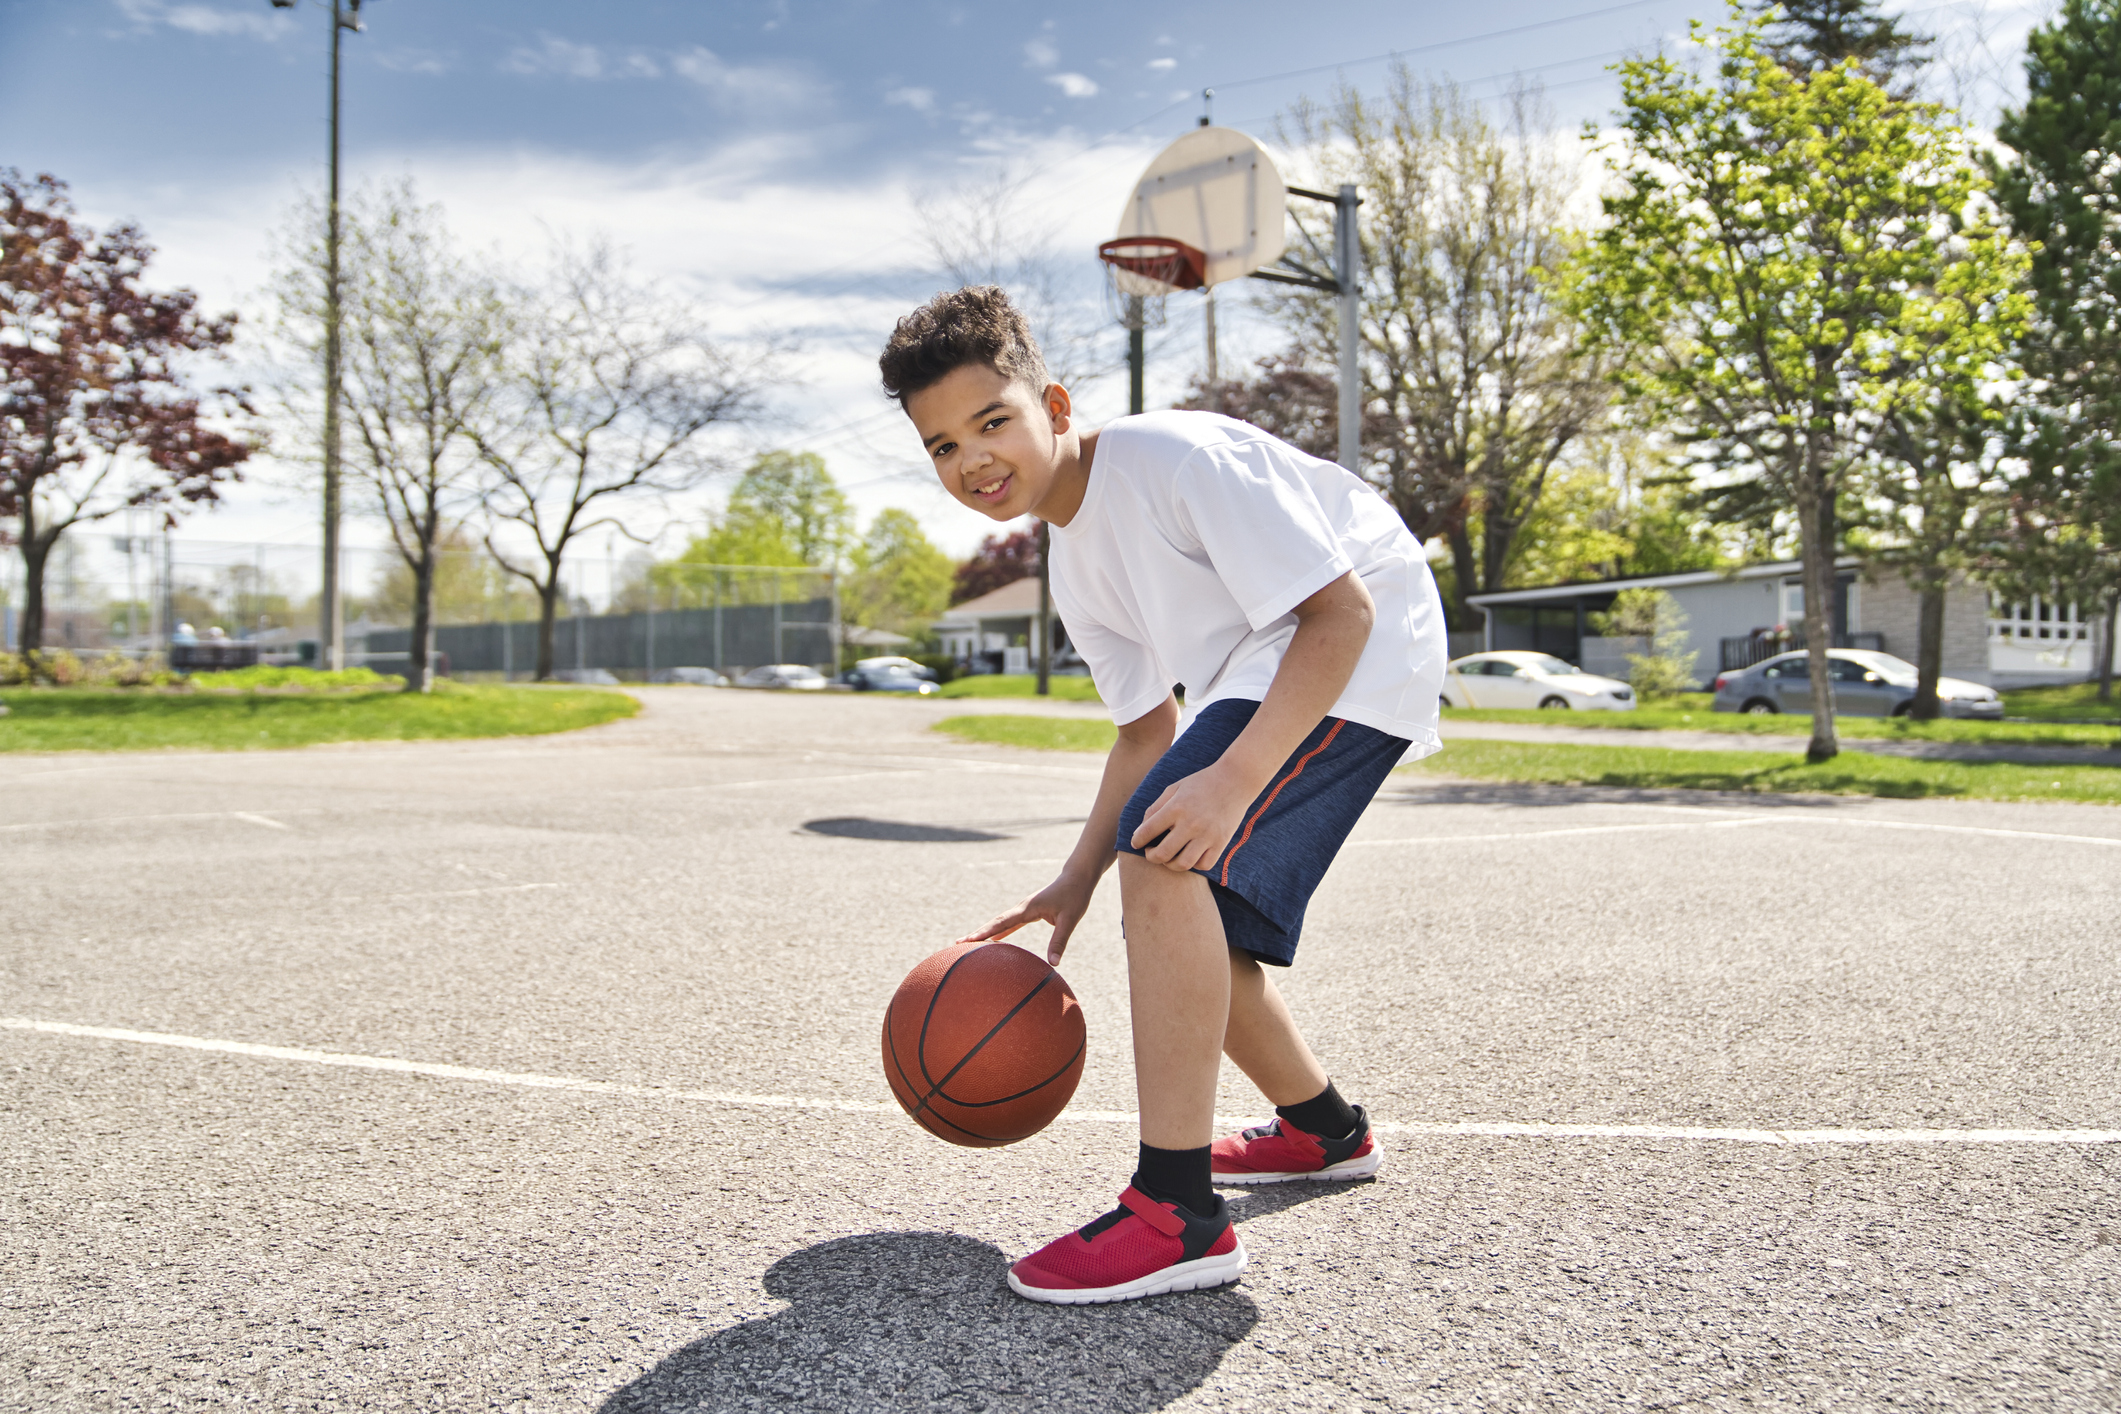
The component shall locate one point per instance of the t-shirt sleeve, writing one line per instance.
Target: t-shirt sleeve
(1123, 671)
(1259, 518)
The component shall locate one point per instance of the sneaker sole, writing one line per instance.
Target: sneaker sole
(1361, 1166)
(1197, 1275)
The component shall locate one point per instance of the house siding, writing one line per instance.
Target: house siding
(1727, 609)
(1891, 607)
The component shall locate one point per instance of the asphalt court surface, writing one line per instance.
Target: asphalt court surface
(717, 899)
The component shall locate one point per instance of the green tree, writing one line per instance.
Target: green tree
(745, 535)
(900, 580)
(2062, 191)
(610, 389)
(423, 330)
(1477, 369)
(794, 491)
(1656, 618)
(1805, 36)
(1774, 256)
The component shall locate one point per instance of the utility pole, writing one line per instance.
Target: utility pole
(331, 617)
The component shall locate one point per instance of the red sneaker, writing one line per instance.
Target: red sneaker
(1140, 1248)
(1278, 1151)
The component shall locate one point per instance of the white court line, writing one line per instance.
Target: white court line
(257, 819)
(1573, 830)
(464, 893)
(1727, 824)
(2111, 842)
(785, 781)
(799, 1102)
(244, 815)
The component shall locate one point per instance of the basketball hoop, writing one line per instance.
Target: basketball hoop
(1153, 265)
(1140, 271)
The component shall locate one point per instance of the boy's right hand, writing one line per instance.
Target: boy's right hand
(1061, 903)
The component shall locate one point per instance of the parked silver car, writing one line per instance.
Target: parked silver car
(1866, 684)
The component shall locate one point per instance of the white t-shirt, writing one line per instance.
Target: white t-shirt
(1197, 536)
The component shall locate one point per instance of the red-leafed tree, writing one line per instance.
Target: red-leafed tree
(1000, 560)
(95, 414)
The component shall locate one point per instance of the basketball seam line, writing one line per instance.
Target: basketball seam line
(920, 1113)
(936, 1087)
(920, 1052)
(1267, 804)
(984, 1104)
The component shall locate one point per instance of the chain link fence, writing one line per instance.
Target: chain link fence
(632, 617)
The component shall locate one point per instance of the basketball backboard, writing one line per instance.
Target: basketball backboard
(1218, 193)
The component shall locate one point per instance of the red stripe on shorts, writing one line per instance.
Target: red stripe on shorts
(1338, 723)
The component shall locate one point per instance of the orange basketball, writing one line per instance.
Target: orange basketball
(983, 1044)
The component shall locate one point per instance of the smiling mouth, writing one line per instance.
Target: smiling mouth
(994, 491)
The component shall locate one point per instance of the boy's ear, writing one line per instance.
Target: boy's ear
(1058, 406)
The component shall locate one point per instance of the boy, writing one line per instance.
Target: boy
(1299, 615)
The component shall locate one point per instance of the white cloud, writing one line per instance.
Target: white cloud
(1041, 54)
(920, 100)
(1160, 65)
(755, 87)
(1074, 85)
(765, 246)
(205, 19)
(557, 56)
(413, 61)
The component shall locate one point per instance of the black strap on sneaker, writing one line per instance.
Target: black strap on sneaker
(1341, 1150)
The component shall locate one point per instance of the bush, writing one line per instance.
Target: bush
(1655, 616)
(945, 666)
(63, 669)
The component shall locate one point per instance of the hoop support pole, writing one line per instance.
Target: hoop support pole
(1347, 270)
(1136, 353)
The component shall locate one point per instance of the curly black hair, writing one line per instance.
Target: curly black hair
(976, 324)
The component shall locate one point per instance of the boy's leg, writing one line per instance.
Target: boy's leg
(1179, 987)
(1171, 1231)
(1262, 1038)
(1315, 1133)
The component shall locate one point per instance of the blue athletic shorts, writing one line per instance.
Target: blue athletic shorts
(1267, 874)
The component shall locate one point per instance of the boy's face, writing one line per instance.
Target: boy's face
(995, 444)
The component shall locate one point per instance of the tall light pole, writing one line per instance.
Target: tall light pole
(331, 621)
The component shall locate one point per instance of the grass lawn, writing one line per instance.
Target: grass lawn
(1700, 719)
(1851, 773)
(2076, 700)
(94, 719)
(1065, 689)
(1038, 733)
(1650, 767)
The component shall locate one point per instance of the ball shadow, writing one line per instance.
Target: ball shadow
(854, 827)
(924, 1320)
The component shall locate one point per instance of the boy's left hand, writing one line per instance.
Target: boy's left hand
(1196, 816)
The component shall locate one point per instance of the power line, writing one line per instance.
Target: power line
(1441, 44)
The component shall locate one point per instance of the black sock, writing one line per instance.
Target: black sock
(1324, 1114)
(1182, 1176)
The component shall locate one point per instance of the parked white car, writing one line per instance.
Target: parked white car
(784, 676)
(1518, 679)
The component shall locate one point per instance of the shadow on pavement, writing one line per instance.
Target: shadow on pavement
(857, 827)
(924, 1320)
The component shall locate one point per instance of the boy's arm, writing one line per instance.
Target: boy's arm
(1064, 901)
(1197, 815)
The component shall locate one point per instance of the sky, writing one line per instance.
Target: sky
(769, 158)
